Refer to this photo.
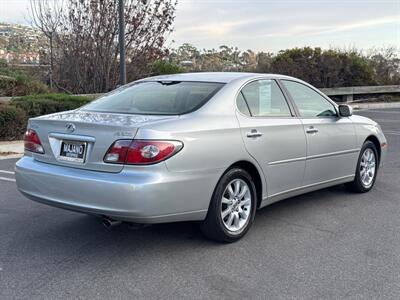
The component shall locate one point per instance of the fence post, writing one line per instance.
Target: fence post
(348, 98)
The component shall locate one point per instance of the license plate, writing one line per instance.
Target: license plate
(73, 151)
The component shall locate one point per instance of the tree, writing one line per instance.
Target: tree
(325, 68)
(87, 57)
(46, 16)
(264, 61)
(386, 65)
(162, 67)
(226, 58)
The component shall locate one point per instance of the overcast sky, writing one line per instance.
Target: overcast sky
(271, 25)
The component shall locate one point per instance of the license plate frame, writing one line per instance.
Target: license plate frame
(73, 151)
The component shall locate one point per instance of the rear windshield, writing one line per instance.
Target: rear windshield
(156, 98)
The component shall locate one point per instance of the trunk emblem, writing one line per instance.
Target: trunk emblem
(70, 127)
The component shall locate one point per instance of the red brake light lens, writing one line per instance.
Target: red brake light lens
(139, 152)
(32, 142)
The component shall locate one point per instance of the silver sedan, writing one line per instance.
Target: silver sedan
(210, 147)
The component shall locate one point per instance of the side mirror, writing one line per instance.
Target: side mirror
(345, 110)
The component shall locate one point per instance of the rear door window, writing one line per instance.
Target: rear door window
(264, 98)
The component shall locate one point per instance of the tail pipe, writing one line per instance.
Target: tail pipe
(109, 223)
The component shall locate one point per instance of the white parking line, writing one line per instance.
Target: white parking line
(7, 179)
(7, 172)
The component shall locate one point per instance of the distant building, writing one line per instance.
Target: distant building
(23, 58)
(5, 30)
(26, 50)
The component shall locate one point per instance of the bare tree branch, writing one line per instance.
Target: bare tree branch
(85, 36)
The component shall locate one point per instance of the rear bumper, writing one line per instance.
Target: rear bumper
(149, 194)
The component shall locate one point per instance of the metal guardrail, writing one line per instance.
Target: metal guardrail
(346, 92)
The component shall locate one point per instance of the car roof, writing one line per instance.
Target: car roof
(223, 77)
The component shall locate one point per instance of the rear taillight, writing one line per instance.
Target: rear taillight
(139, 152)
(32, 142)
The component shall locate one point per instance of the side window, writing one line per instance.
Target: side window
(309, 102)
(264, 99)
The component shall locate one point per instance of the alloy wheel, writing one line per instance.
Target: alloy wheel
(236, 205)
(367, 167)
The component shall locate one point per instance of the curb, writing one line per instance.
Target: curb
(15, 148)
(10, 156)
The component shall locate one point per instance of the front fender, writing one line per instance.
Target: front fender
(369, 129)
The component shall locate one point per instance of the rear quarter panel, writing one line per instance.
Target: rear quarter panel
(209, 144)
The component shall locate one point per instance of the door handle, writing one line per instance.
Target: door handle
(253, 134)
(311, 129)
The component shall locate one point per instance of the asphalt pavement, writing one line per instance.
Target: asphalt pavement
(329, 244)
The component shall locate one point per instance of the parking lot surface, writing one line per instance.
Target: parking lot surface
(328, 244)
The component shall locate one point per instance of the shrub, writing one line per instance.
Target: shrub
(7, 85)
(26, 85)
(162, 67)
(37, 105)
(16, 82)
(12, 122)
(324, 68)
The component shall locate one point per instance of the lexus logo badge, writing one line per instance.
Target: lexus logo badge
(70, 127)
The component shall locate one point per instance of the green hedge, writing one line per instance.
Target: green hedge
(14, 116)
(7, 85)
(12, 122)
(20, 84)
(17, 82)
(37, 105)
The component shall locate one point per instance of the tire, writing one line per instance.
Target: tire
(235, 197)
(368, 162)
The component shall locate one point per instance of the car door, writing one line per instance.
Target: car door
(272, 135)
(331, 140)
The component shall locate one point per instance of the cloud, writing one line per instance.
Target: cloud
(272, 24)
(218, 29)
(309, 29)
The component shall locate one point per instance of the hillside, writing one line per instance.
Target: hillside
(20, 43)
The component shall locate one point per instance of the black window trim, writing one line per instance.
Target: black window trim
(245, 101)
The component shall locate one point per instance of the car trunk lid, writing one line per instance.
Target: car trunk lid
(80, 139)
